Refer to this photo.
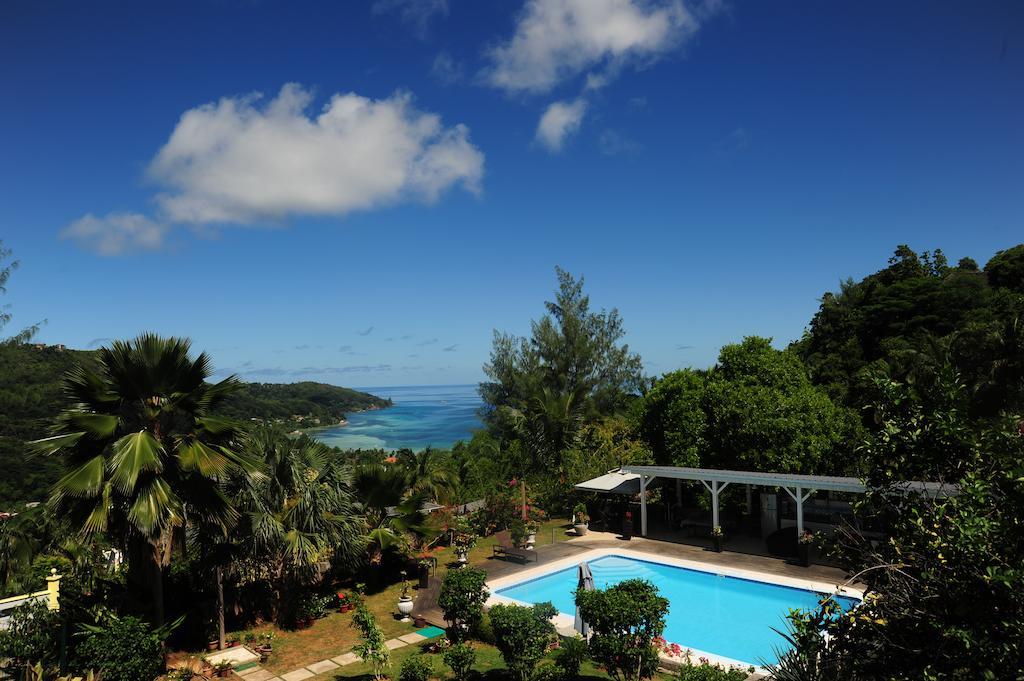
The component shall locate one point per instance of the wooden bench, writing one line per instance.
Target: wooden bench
(505, 548)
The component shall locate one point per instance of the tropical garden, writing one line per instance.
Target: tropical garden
(230, 528)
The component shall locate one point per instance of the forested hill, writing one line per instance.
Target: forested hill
(30, 396)
(305, 403)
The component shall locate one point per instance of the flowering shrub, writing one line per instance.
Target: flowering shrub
(666, 648)
(705, 671)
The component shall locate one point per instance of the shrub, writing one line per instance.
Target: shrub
(460, 657)
(122, 648)
(31, 636)
(483, 631)
(416, 668)
(523, 635)
(372, 649)
(572, 652)
(462, 598)
(624, 619)
(705, 671)
(549, 672)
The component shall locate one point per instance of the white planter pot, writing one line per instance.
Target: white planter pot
(531, 539)
(405, 607)
(462, 557)
(581, 529)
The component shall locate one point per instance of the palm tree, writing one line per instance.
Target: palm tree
(427, 473)
(391, 507)
(299, 514)
(144, 454)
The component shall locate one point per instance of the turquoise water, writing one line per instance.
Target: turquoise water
(721, 615)
(422, 416)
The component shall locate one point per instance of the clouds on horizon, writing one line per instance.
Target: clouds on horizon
(243, 160)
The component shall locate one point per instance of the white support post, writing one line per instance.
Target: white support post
(799, 497)
(715, 488)
(643, 505)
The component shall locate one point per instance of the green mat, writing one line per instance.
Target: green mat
(430, 632)
(247, 665)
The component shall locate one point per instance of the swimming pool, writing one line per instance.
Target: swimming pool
(727, 616)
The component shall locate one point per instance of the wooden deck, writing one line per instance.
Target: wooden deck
(426, 601)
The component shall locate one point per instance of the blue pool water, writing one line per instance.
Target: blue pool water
(725, 616)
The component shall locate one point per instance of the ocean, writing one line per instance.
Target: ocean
(422, 416)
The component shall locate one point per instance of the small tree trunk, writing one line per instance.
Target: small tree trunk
(220, 609)
(158, 594)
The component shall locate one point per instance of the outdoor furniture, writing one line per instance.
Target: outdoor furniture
(504, 547)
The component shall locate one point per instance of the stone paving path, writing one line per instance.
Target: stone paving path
(257, 673)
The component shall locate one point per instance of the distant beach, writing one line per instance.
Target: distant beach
(422, 416)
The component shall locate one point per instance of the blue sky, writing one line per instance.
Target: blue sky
(415, 170)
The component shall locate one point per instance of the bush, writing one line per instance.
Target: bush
(122, 649)
(416, 668)
(483, 631)
(624, 619)
(572, 652)
(31, 636)
(460, 657)
(462, 598)
(523, 635)
(549, 672)
(705, 671)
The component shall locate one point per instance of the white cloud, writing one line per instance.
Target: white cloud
(240, 161)
(116, 233)
(559, 121)
(555, 40)
(446, 70)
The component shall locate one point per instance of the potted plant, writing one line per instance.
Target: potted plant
(222, 669)
(344, 605)
(804, 543)
(424, 564)
(534, 518)
(718, 536)
(405, 604)
(462, 543)
(627, 526)
(580, 519)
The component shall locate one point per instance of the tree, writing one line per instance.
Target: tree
(1006, 269)
(391, 507)
(122, 648)
(573, 363)
(462, 598)
(523, 635)
(373, 648)
(6, 271)
(625, 619)
(943, 598)
(145, 458)
(754, 410)
(300, 513)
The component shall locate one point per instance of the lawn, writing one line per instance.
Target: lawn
(334, 635)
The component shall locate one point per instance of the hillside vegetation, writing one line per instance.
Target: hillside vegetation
(30, 398)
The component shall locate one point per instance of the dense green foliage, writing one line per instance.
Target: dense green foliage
(705, 671)
(919, 307)
(31, 636)
(754, 410)
(460, 657)
(523, 635)
(30, 398)
(624, 620)
(416, 668)
(302, 404)
(372, 647)
(122, 649)
(462, 598)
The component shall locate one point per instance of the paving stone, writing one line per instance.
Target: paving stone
(347, 658)
(395, 643)
(258, 674)
(321, 666)
(412, 638)
(298, 675)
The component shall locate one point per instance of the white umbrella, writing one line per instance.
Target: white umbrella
(586, 582)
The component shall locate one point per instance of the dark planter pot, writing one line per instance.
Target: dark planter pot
(718, 544)
(627, 529)
(424, 577)
(212, 645)
(419, 622)
(803, 553)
